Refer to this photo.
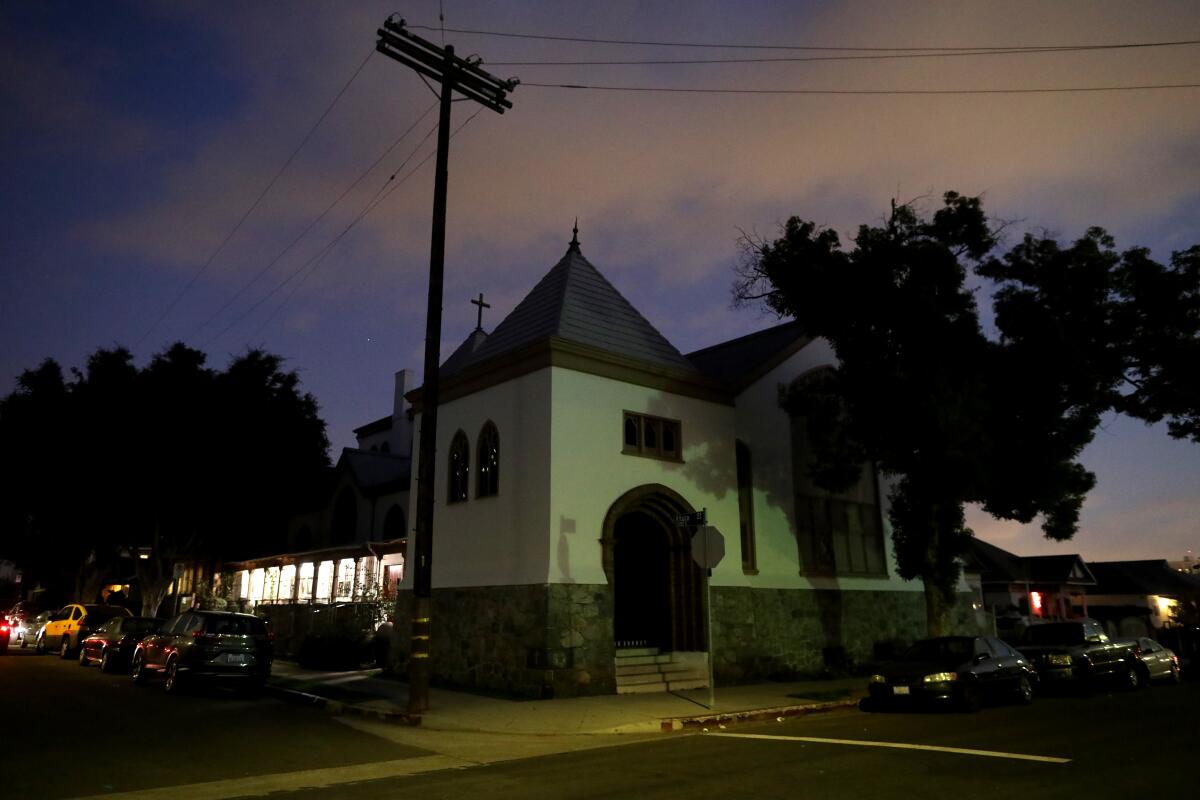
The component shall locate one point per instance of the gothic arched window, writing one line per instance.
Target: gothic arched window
(460, 468)
(487, 478)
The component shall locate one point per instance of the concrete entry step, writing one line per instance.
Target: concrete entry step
(629, 661)
(659, 672)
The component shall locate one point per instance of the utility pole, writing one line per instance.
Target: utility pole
(465, 77)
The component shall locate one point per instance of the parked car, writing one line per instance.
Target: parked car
(962, 671)
(1158, 662)
(72, 624)
(33, 628)
(206, 645)
(1184, 640)
(5, 632)
(20, 618)
(1079, 653)
(113, 643)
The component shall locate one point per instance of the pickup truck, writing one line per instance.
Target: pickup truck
(1079, 653)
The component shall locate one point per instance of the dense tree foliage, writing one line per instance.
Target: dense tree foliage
(951, 415)
(184, 460)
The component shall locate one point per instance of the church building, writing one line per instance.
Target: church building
(570, 442)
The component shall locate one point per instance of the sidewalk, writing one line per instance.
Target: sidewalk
(366, 693)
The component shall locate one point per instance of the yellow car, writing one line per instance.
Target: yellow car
(72, 624)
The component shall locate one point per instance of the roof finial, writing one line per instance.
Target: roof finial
(574, 243)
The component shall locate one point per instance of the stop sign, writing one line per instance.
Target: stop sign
(708, 547)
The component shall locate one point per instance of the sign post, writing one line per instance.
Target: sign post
(708, 548)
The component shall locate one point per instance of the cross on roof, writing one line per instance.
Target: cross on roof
(482, 305)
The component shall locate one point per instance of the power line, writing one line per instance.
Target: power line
(259, 199)
(311, 265)
(375, 202)
(313, 223)
(809, 59)
(733, 46)
(705, 90)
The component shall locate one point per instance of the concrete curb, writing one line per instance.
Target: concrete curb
(716, 720)
(339, 708)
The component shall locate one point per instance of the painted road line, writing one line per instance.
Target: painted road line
(898, 746)
(257, 785)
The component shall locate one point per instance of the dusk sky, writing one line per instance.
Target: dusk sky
(135, 136)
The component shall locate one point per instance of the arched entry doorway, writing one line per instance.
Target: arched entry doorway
(657, 589)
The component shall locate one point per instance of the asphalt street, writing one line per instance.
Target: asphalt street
(76, 732)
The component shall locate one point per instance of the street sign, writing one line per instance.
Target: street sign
(708, 547)
(695, 518)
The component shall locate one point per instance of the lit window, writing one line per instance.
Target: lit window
(487, 481)
(460, 468)
(305, 591)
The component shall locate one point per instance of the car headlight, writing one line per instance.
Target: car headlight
(878, 679)
(1059, 660)
(940, 677)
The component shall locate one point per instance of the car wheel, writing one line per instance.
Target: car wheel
(971, 700)
(1176, 676)
(64, 649)
(1024, 690)
(39, 646)
(174, 682)
(138, 671)
(83, 657)
(1131, 680)
(106, 664)
(24, 642)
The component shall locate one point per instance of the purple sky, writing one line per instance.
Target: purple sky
(134, 137)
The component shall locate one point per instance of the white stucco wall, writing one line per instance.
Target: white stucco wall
(499, 540)
(590, 472)
(765, 428)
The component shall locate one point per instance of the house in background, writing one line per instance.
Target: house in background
(570, 441)
(349, 550)
(1136, 598)
(1018, 590)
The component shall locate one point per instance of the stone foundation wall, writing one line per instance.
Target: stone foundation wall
(557, 640)
(781, 634)
(532, 641)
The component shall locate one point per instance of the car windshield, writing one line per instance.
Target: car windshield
(1054, 633)
(948, 650)
(235, 626)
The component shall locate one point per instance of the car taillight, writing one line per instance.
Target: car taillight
(201, 636)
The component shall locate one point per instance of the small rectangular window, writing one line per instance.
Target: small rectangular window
(654, 437)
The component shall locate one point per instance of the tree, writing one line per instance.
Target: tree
(950, 415)
(175, 457)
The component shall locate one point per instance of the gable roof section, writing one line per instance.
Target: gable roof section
(374, 472)
(739, 362)
(1148, 577)
(575, 303)
(1059, 569)
(993, 564)
(376, 426)
(465, 352)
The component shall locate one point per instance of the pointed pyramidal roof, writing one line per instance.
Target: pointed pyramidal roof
(575, 303)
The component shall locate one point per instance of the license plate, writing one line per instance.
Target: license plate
(232, 658)
(900, 689)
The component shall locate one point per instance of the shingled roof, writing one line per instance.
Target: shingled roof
(741, 361)
(575, 303)
(1146, 577)
(374, 472)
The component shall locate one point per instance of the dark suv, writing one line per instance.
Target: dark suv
(207, 645)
